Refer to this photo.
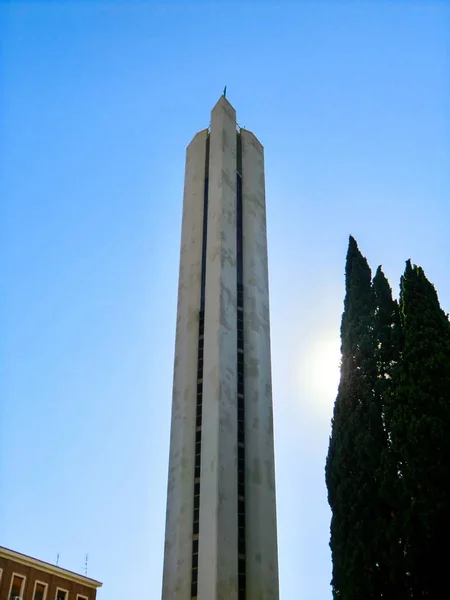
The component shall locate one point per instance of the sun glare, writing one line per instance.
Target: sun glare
(319, 373)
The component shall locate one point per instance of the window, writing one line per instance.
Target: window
(239, 155)
(61, 594)
(241, 580)
(40, 591)
(17, 586)
(80, 597)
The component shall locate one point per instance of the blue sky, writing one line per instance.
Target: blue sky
(98, 102)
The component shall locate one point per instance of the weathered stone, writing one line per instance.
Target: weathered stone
(218, 518)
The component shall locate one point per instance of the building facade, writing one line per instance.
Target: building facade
(26, 578)
(221, 532)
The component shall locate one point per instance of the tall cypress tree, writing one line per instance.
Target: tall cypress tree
(419, 425)
(388, 345)
(357, 444)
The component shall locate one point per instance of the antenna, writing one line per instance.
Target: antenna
(57, 559)
(85, 565)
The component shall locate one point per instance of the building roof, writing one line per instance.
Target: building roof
(48, 568)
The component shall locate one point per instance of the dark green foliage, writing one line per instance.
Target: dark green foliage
(387, 326)
(419, 424)
(388, 344)
(357, 446)
(388, 465)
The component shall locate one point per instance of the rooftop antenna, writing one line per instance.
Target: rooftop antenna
(85, 565)
(57, 559)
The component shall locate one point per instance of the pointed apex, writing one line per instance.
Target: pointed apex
(381, 282)
(223, 104)
(352, 245)
(352, 241)
(225, 92)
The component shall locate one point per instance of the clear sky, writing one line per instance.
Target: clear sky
(98, 102)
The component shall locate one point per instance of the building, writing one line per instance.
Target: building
(31, 579)
(221, 532)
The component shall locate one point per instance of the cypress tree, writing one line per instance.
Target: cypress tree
(388, 334)
(419, 426)
(357, 444)
(388, 344)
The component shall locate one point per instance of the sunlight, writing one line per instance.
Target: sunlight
(318, 373)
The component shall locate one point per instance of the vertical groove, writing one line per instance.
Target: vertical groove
(198, 416)
(240, 377)
(205, 227)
